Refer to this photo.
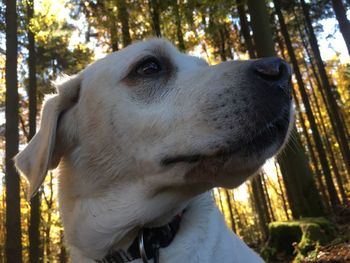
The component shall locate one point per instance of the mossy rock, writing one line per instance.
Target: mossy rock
(296, 238)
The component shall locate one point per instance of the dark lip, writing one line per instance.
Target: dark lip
(274, 132)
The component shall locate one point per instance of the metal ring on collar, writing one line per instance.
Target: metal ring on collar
(142, 247)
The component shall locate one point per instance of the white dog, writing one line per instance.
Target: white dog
(141, 135)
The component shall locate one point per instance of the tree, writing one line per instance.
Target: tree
(344, 24)
(338, 127)
(154, 9)
(318, 141)
(301, 189)
(13, 214)
(123, 17)
(260, 24)
(35, 201)
(230, 209)
(260, 203)
(245, 28)
(177, 14)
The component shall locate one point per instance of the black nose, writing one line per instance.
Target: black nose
(272, 69)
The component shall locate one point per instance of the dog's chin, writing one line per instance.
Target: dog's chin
(232, 164)
(231, 169)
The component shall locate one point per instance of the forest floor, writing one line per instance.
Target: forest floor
(337, 251)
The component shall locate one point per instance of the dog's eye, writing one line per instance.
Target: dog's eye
(149, 67)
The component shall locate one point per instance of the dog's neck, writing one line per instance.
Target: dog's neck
(92, 230)
(112, 219)
(147, 244)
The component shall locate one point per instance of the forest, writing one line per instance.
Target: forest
(296, 209)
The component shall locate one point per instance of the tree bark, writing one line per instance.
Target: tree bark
(315, 132)
(302, 193)
(303, 197)
(314, 159)
(330, 151)
(315, 75)
(228, 199)
(260, 205)
(222, 42)
(344, 24)
(180, 39)
(47, 229)
(13, 214)
(35, 201)
(123, 17)
(319, 85)
(339, 127)
(267, 197)
(284, 201)
(260, 24)
(220, 201)
(63, 258)
(245, 28)
(114, 36)
(154, 8)
(231, 47)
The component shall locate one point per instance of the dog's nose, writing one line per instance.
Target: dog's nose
(274, 72)
(272, 69)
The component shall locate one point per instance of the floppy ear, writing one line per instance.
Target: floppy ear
(37, 157)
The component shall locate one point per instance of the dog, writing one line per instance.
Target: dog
(141, 136)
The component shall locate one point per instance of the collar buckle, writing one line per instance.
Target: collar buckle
(149, 240)
(142, 249)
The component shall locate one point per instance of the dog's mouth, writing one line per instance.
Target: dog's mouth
(272, 135)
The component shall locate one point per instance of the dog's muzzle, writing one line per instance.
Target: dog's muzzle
(259, 106)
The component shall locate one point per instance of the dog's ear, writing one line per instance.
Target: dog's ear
(37, 157)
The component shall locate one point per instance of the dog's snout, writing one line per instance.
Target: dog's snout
(272, 69)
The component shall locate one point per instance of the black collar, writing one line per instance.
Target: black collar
(152, 238)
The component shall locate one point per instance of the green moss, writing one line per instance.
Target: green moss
(296, 238)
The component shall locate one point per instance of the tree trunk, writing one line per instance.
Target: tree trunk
(220, 201)
(239, 221)
(245, 28)
(330, 151)
(13, 213)
(222, 46)
(228, 199)
(315, 132)
(123, 17)
(231, 46)
(319, 85)
(312, 151)
(63, 253)
(313, 70)
(302, 193)
(114, 36)
(180, 39)
(35, 201)
(260, 24)
(285, 207)
(48, 223)
(343, 143)
(260, 205)
(314, 159)
(344, 24)
(294, 192)
(154, 8)
(267, 197)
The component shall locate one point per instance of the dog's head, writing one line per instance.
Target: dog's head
(167, 122)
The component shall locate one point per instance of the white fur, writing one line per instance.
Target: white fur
(203, 237)
(109, 145)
